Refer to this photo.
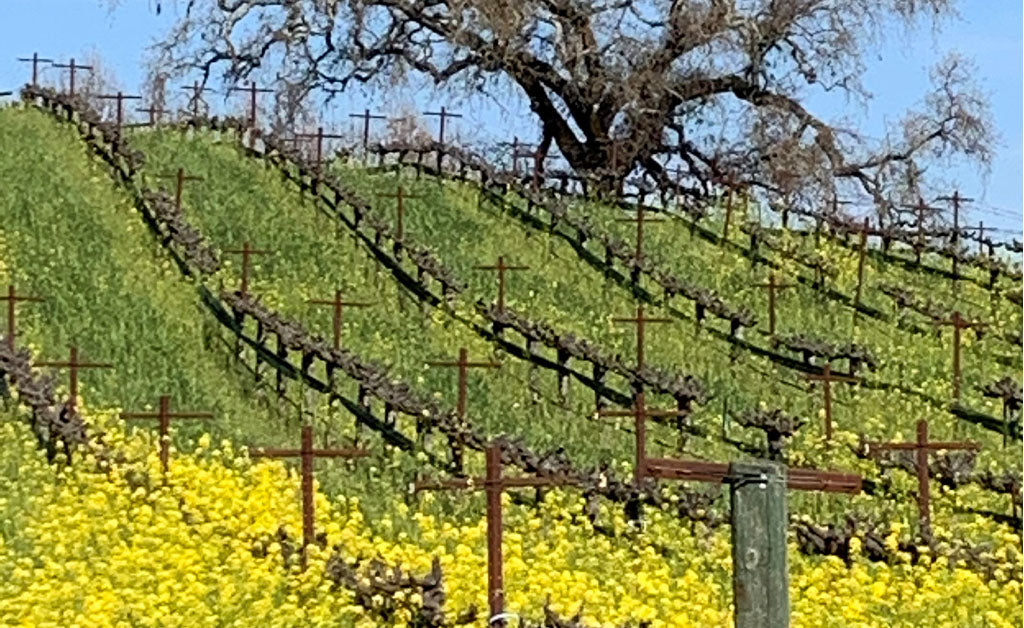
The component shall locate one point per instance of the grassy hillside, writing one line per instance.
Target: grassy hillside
(120, 299)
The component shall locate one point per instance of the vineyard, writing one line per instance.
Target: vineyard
(434, 318)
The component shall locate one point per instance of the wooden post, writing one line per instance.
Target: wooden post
(164, 416)
(13, 299)
(760, 569)
(501, 267)
(307, 454)
(757, 494)
(921, 447)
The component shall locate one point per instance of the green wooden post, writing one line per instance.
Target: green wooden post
(760, 569)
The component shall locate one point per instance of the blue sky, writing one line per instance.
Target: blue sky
(988, 31)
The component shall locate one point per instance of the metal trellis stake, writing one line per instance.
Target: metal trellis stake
(307, 453)
(640, 320)
(338, 306)
(164, 416)
(180, 178)
(197, 96)
(73, 364)
(958, 323)
(773, 286)
(401, 196)
(921, 447)
(494, 484)
(246, 252)
(35, 60)
(501, 267)
(13, 299)
(73, 67)
(827, 377)
(366, 117)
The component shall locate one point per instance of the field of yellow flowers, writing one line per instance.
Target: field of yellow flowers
(86, 546)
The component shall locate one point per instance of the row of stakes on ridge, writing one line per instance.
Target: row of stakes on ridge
(519, 151)
(755, 604)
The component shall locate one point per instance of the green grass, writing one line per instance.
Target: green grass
(559, 288)
(127, 304)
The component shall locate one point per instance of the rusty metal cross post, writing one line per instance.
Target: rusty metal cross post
(180, 178)
(956, 199)
(119, 97)
(921, 447)
(338, 305)
(827, 377)
(443, 114)
(730, 183)
(252, 90)
(401, 196)
(73, 67)
(518, 151)
(13, 298)
(73, 364)
(366, 117)
(197, 96)
(773, 286)
(861, 254)
(319, 136)
(831, 215)
(164, 416)
(494, 484)
(920, 208)
(640, 219)
(501, 267)
(981, 229)
(246, 252)
(463, 364)
(35, 60)
(958, 323)
(640, 320)
(307, 453)
(155, 114)
(640, 413)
